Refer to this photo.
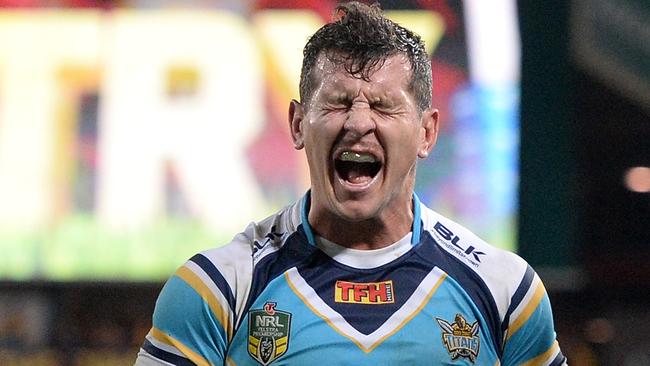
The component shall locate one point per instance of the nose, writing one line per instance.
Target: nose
(359, 120)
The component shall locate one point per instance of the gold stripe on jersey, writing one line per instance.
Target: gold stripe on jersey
(541, 359)
(413, 314)
(322, 316)
(528, 310)
(163, 337)
(195, 282)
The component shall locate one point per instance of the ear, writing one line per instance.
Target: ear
(430, 126)
(296, 115)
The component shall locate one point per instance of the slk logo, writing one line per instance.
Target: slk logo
(268, 333)
(364, 293)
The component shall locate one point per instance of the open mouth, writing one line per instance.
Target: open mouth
(357, 168)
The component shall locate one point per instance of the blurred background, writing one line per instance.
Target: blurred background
(135, 133)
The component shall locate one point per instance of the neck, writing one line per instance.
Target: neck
(374, 233)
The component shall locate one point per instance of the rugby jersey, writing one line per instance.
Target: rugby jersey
(279, 295)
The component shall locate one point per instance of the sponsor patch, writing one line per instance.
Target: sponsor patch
(364, 293)
(268, 333)
(460, 338)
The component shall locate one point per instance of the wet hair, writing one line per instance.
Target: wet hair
(361, 38)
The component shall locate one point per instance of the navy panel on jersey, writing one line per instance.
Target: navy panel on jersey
(166, 356)
(468, 279)
(559, 360)
(405, 274)
(294, 251)
(208, 267)
(521, 291)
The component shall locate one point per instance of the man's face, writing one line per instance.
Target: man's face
(362, 140)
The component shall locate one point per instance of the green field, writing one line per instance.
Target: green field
(80, 249)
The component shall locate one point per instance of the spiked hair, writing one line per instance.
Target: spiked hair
(361, 38)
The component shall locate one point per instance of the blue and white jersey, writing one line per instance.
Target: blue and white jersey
(279, 295)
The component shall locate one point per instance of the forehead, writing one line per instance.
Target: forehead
(393, 75)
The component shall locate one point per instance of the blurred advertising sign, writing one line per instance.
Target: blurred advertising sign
(130, 139)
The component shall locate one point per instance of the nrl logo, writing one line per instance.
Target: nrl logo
(460, 338)
(268, 333)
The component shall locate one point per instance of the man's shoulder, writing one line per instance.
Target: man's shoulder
(463, 244)
(516, 306)
(500, 270)
(228, 270)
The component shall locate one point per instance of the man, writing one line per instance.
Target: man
(358, 272)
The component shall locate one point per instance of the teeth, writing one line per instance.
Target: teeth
(357, 158)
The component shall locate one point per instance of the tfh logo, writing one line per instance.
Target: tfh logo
(364, 293)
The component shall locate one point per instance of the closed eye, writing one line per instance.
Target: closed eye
(386, 109)
(383, 105)
(338, 105)
(380, 106)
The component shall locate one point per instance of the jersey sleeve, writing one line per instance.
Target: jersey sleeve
(529, 331)
(193, 319)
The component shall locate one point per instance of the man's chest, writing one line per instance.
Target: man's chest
(405, 317)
